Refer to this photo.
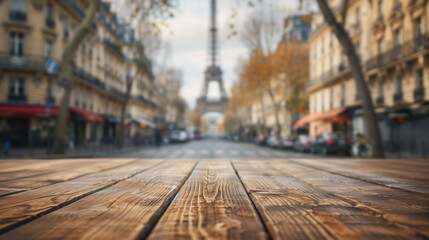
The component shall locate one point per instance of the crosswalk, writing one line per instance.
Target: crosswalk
(212, 153)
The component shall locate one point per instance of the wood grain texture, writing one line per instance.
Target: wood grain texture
(384, 172)
(405, 208)
(19, 169)
(212, 204)
(126, 210)
(24, 184)
(22, 207)
(292, 209)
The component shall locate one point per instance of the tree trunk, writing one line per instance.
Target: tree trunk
(264, 122)
(67, 64)
(370, 117)
(276, 112)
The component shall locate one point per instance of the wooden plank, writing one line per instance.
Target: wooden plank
(91, 166)
(403, 208)
(126, 210)
(18, 169)
(22, 207)
(292, 209)
(408, 179)
(212, 204)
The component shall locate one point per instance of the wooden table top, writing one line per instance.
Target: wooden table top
(214, 199)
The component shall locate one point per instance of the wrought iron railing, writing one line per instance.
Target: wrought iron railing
(88, 78)
(398, 52)
(328, 74)
(18, 15)
(26, 60)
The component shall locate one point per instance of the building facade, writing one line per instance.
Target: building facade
(390, 39)
(34, 32)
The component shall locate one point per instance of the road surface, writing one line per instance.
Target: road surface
(210, 148)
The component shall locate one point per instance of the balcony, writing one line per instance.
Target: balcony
(379, 100)
(397, 97)
(419, 94)
(24, 61)
(50, 23)
(328, 74)
(117, 92)
(114, 47)
(398, 52)
(88, 78)
(21, 98)
(18, 15)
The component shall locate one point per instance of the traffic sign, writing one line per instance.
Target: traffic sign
(52, 66)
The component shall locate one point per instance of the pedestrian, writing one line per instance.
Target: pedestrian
(362, 144)
(5, 136)
(158, 137)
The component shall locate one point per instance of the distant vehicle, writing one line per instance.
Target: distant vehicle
(327, 143)
(303, 143)
(274, 141)
(260, 139)
(287, 142)
(178, 136)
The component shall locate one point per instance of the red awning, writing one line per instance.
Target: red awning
(87, 115)
(323, 116)
(26, 111)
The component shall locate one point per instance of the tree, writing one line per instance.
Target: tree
(370, 117)
(196, 119)
(67, 70)
(262, 33)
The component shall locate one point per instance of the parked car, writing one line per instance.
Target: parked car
(178, 136)
(274, 141)
(303, 143)
(327, 143)
(287, 142)
(260, 140)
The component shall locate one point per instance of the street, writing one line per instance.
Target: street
(214, 148)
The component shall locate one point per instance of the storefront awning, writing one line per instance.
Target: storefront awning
(323, 116)
(26, 111)
(111, 119)
(142, 122)
(88, 116)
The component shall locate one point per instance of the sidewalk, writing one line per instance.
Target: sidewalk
(78, 152)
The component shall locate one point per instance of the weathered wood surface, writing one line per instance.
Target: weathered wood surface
(21, 207)
(294, 209)
(128, 209)
(211, 205)
(214, 199)
(32, 182)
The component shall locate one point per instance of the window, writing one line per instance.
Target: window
(83, 99)
(380, 51)
(91, 102)
(380, 10)
(49, 49)
(16, 87)
(50, 22)
(398, 85)
(51, 91)
(357, 48)
(419, 32)
(419, 79)
(16, 44)
(76, 97)
(380, 89)
(357, 18)
(66, 28)
(343, 95)
(17, 10)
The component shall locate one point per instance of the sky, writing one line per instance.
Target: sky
(189, 43)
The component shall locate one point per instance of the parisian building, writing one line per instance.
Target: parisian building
(391, 40)
(35, 32)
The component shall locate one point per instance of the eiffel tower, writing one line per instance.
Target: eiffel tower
(213, 73)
